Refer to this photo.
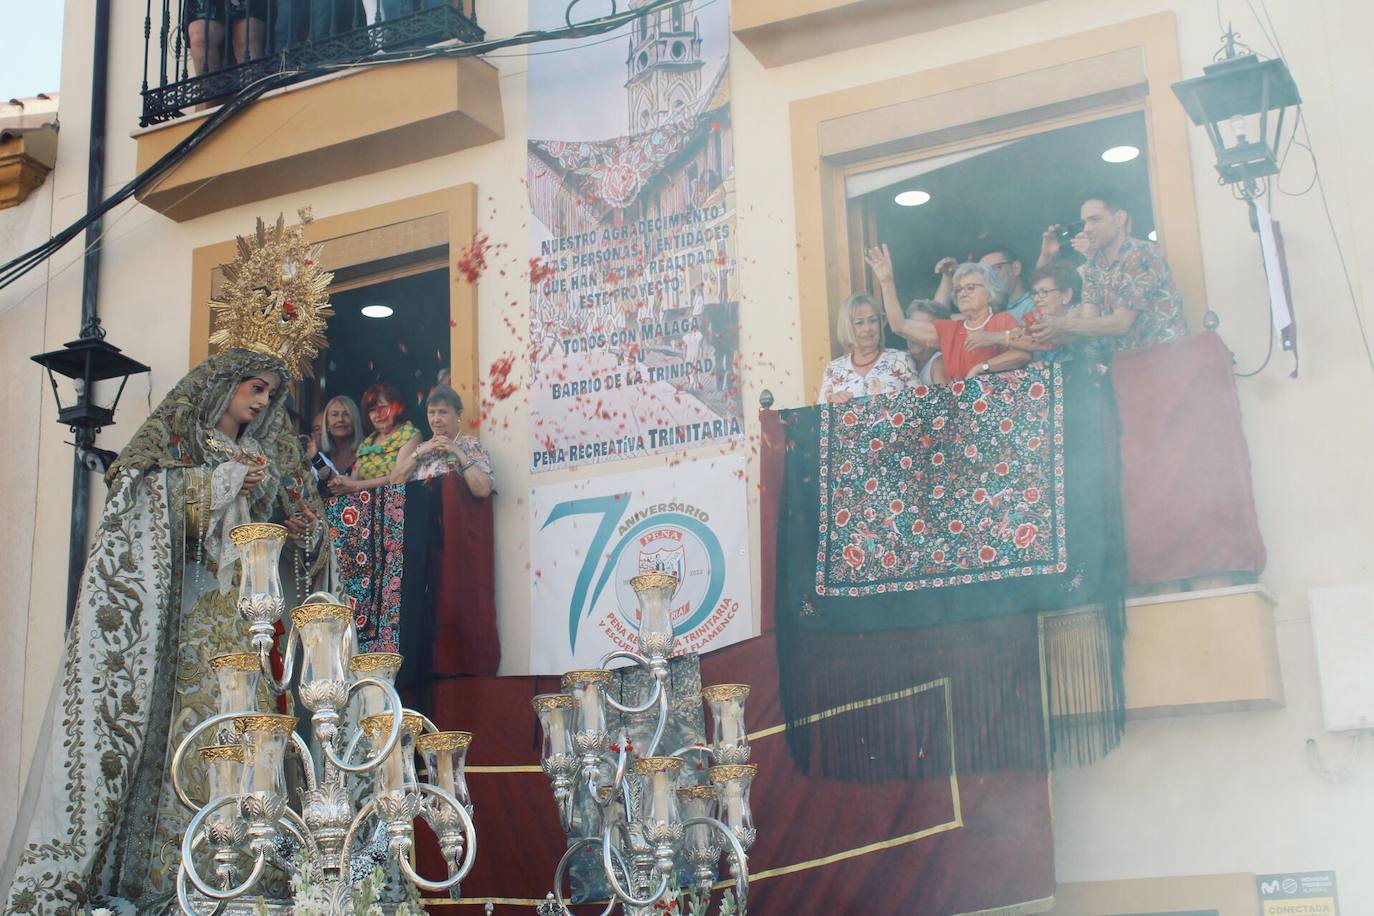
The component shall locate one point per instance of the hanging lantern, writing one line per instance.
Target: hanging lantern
(1233, 100)
(87, 360)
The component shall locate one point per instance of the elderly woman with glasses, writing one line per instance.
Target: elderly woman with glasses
(449, 449)
(868, 368)
(978, 293)
(1055, 291)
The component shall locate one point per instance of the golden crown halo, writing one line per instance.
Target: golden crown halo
(275, 297)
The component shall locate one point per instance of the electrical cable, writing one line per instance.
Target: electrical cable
(17, 267)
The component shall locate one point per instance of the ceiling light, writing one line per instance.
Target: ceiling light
(1153, 236)
(1120, 154)
(911, 198)
(377, 310)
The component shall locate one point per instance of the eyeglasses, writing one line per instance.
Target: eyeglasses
(968, 288)
(1042, 292)
(999, 265)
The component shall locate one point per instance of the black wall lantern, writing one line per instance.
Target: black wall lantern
(87, 360)
(1232, 100)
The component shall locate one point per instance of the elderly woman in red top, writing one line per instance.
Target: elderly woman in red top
(978, 293)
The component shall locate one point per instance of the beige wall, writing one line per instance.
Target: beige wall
(22, 388)
(1201, 795)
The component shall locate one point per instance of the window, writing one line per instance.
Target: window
(956, 110)
(1003, 193)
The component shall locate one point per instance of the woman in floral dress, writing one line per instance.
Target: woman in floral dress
(392, 438)
(868, 368)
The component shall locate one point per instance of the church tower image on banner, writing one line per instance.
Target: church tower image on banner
(663, 67)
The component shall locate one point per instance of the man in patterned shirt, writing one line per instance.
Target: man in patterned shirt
(1126, 280)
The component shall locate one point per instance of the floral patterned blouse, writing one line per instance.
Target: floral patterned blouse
(432, 464)
(1140, 280)
(377, 457)
(893, 372)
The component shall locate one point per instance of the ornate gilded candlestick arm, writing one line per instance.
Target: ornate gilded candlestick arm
(188, 863)
(449, 803)
(288, 671)
(174, 768)
(624, 896)
(739, 867)
(371, 763)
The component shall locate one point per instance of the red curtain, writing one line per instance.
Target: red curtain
(1185, 466)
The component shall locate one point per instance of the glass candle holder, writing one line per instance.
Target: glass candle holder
(238, 675)
(223, 775)
(381, 665)
(732, 781)
(396, 773)
(729, 740)
(555, 711)
(591, 734)
(445, 755)
(654, 592)
(260, 599)
(326, 635)
(262, 781)
(660, 816)
(699, 840)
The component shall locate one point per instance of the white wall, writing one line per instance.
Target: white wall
(1227, 793)
(22, 311)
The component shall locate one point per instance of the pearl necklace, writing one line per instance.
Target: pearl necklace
(968, 327)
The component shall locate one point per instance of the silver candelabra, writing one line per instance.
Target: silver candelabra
(652, 812)
(248, 821)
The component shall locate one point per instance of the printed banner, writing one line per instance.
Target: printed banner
(589, 538)
(634, 314)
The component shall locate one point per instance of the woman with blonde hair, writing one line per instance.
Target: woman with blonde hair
(868, 367)
(336, 448)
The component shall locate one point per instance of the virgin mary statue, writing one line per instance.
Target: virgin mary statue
(99, 823)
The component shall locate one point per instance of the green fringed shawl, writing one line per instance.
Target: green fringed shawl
(865, 615)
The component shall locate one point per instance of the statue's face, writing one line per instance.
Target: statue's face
(252, 396)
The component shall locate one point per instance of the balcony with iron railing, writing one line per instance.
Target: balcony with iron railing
(198, 52)
(342, 104)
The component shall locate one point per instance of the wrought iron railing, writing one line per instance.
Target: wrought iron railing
(198, 52)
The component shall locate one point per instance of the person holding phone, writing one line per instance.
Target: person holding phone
(1125, 280)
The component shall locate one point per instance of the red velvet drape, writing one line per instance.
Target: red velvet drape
(1185, 465)
(464, 576)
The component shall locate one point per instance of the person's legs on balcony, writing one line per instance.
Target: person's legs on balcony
(250, 29)
(204, 35)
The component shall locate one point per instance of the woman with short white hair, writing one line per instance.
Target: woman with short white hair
(867, 368)
(978, 293)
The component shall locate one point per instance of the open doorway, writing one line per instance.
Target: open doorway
(394, 331)
(1003, 193)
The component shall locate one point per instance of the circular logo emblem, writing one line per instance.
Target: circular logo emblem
(670, 549)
